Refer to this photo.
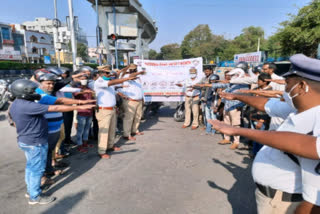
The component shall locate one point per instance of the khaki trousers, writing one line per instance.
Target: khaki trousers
(132, 116)
(232, 118)
(191, 106)
(107, 120)
(274, 205)
(61, 138)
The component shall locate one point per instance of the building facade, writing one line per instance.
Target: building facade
(11, 43)
(37, 45)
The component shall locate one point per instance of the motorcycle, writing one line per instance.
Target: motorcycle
(4, 93)
(179, 114)
(150, 107)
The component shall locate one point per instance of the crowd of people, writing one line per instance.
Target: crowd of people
(277, 115)
(46, 107)
(280, 117)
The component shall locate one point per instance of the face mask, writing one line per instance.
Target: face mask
(289, 99)
(106, 78)
(193, 76)
(84, 82)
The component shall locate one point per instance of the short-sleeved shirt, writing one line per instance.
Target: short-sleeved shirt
(273, 167)
(84, 112)
(276, 86)
(133, 89)
(55, 119)
(105, 94)
(189, 91)
(32, 126)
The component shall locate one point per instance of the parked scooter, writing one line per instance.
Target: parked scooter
(179, 114)
(4, 93)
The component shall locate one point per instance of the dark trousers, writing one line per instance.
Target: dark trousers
(68, 121)
(52, 142)
(95, 127)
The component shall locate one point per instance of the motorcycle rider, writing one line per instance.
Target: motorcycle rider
(32, 129)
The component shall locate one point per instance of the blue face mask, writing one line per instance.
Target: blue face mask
(106, 78)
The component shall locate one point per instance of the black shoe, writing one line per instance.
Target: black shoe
(41, 200)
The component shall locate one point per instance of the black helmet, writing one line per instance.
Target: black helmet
(39, 72)
(47, 77)
(54, 70)
(243, 65)
(25, 89)
(65, 70)
(214, 77)
(257, 69)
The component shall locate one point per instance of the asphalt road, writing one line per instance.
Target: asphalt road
(168, 170)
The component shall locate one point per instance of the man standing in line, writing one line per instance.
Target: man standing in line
(32, 129)
(106, 112)
(132, 95)
(192, 99)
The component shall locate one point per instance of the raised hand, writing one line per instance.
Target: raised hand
(222, 127)
(227, 96)
(85, 107)
(278, 81)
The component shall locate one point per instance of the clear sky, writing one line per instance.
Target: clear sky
(175, 18)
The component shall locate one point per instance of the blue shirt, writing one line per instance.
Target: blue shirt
(31, 125)
(55, 119)
(230, 105)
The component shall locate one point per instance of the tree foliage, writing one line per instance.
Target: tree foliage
(301, 34)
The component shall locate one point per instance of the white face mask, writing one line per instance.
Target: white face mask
(84, 82)
(193, 76)
(289, 99)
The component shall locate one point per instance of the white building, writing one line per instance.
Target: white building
(37, 44)
(45, 25)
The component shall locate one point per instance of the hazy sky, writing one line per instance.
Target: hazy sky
(174, 18)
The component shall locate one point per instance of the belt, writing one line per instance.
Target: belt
(127, 98)
(192, 96)
(106, 108)
(270, 193)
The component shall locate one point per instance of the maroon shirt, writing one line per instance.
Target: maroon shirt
(85, 96)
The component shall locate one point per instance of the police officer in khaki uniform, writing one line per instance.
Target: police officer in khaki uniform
(287, 169)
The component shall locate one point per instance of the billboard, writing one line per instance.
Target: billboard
(254, 57)
(159, 83)
(126, 24)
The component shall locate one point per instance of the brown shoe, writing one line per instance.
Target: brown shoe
(224, 141)
(184, 126)
(194, 127)
(234, 146)
(130, 138)
(114, 148)
(105, 156)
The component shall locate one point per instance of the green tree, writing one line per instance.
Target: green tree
(195, 41)
(301, 34)
(170, 52)
(82, 51)
(152, 54)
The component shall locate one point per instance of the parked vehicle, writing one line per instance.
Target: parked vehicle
(179, 114)
(4, 93)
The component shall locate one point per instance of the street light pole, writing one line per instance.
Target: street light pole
(73, 39)
(98, 31)
(115, 32)
(55, 34)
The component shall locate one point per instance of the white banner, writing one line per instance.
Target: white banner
(248, 57)
(161, 77)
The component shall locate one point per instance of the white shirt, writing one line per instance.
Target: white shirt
(106, 95)
(133, 89)
(272, 167)
(190, 92)
(276, 86)
(307, 122)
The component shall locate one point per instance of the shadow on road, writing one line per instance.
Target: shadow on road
(153, 118)
(65, 205)
(241, 194)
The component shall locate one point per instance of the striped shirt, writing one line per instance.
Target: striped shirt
(55, 119)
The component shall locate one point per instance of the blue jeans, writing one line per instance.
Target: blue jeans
(209, 116)
(84, 124)
(36, 163)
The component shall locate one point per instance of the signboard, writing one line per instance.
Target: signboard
(126, 24)
(47, 60)
(254, 57)
(161, 77)
(8, 53)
